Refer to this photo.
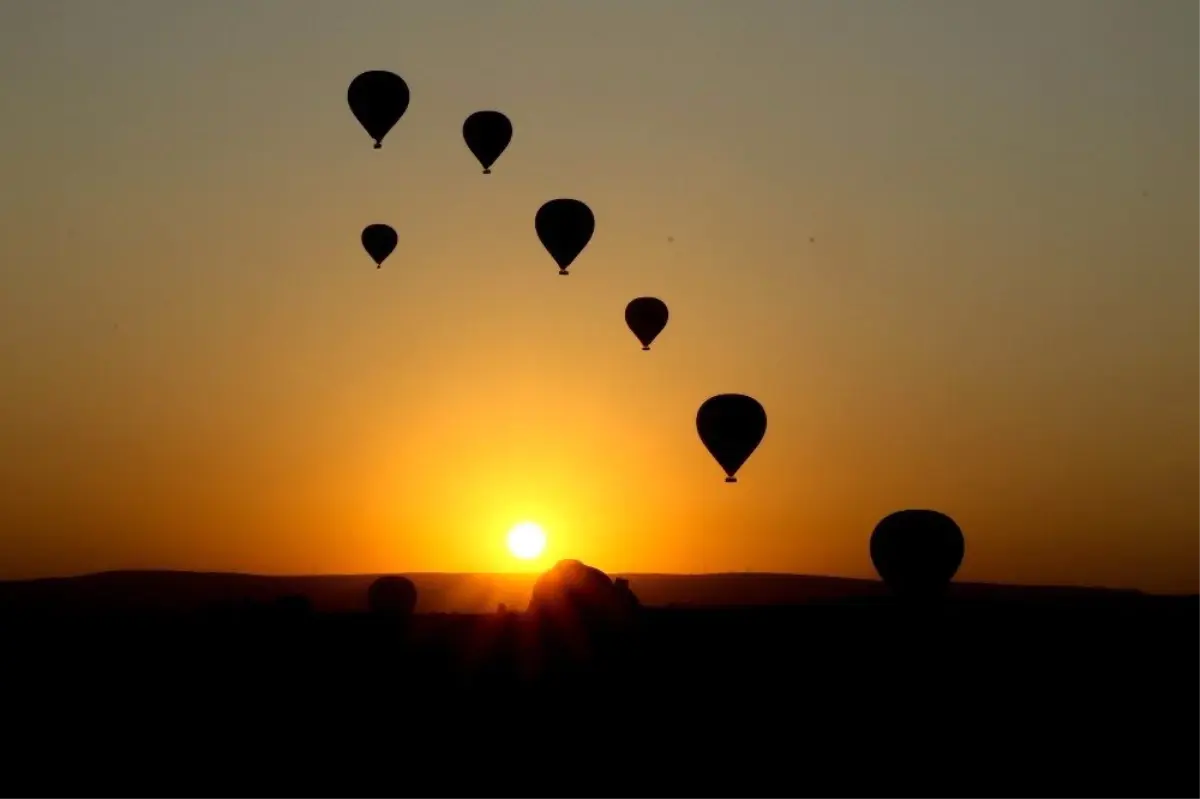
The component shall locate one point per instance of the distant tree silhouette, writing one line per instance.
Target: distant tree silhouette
(392, 597)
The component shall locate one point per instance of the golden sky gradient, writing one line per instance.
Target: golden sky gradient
(201, 369)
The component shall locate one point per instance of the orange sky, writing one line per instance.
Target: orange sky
(201, 369)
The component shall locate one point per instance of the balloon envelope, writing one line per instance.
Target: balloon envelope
(646, 317)
(578, 594)
(564, 227)
(379, 241)
(487, 134)
(917, 552)
(378, 99)
(392, 595)
(731, 427)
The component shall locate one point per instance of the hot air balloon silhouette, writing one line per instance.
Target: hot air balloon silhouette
(378, 99)
(575, 599)
(392, 597)
(646, 317)
(379, 241)
(577, 614)
(917, 552)
(731, 427)
(572, 587)
(564, 227)
(487, 134)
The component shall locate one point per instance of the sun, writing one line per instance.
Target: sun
(526, 540)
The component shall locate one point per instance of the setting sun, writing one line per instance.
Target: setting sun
(526, 540)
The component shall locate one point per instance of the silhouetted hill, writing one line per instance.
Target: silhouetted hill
(813, 686)
(176, 591)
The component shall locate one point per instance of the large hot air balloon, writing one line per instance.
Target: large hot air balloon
(565, 227)
(646, 317)
(578, 594)
(378, 99)
(731, 427)
(917, 552)
(487, 134)
(379, 241)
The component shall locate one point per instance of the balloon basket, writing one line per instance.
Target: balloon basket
(730, 479)
(487, 171)
(563, 272)
(645, 349)
(378, 145)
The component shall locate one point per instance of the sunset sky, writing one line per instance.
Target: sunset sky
(200, 368)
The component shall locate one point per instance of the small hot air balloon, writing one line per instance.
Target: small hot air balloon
(917, 552)
(646, 317)
(731, 427)
(392, 596)
(565, 227)
(379, 241)
(378, 99)
(487, 134)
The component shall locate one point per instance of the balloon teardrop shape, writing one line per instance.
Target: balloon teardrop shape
(917, 552)
(487, 134)
(379, 241)
(378, 99)
(564, 227)
(731, 427)
(646, 317)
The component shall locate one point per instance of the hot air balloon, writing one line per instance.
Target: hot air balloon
(578, 594)
(731, 427)
(487, 134)
(646, 317)
(378, 99)
(379, 240)
(917, 552)
(392, 596)
(565, 227)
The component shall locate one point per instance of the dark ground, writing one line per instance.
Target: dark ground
(1079, 695)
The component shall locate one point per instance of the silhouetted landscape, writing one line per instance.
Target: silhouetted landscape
(757, 684)
(170, 592)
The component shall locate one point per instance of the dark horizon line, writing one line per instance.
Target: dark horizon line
(766, 574)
